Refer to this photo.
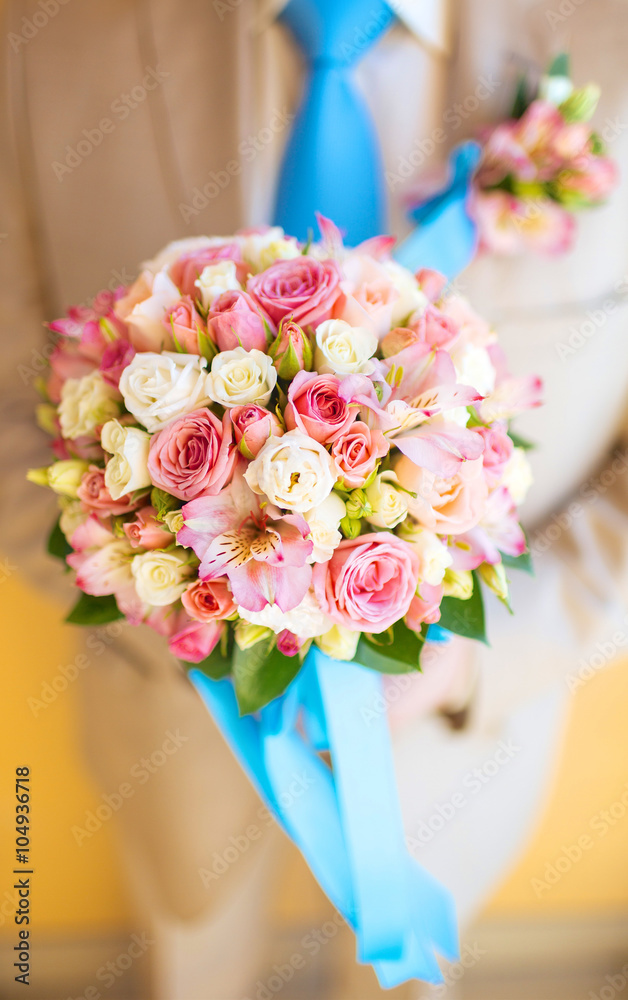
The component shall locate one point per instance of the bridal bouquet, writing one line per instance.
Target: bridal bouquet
(286, 458)
(540, 167)
(261, 445)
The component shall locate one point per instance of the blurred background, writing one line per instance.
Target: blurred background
(142, 899)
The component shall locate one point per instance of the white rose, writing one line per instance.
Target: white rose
(389, 504)
(260, 250)
(73, 515)
(216, 279)
(342, 349)
(411, 298)
(294, 472)
(86, 403)
(161, 577)
(240, 376)
(127, 470)
(159, 387)
(475, 368)
(323, 522)
(339, 642)
(555, 89)
(146, 319)
(435, 557)
(517, 475)
(305, 621)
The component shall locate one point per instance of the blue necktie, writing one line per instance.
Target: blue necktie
(332, 162)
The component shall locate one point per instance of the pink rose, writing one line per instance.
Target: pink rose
(288, 643)
(193, 455)
(449, 506)
(498, 448)
(252, 427)
(432, 283)
(291, 351)
(315, 407)
(356, 452)
(191, 265)
(368, 295)
(431, 327)
(146, 532)
(369, 582)
(209, 600)
(425, 606)
(95, 496)
(115, 358)
(183, 321)
(302, 287)
(236, 321)
(195, 641)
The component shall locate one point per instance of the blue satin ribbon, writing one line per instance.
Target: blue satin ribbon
(445, 238)
(346, 822)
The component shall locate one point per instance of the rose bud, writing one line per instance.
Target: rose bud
(234, 320)
(252, 426)
(291, 350)
(398, 339)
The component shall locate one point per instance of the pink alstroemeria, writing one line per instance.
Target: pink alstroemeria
(424, 386)
(511, 395)
(498, 531)
(262, 553)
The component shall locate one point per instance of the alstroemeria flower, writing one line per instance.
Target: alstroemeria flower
(262, 553)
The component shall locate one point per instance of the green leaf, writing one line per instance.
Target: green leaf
(90, 610)
(396, 651)
(58, 545)
(521, 100)
(261, 673)
(465, 617)
(218, 663)
(206, 345)
(522, 562)
(163, 502)
(559, 65)
(521, 442)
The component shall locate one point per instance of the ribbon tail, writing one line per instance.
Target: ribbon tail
(445, 238)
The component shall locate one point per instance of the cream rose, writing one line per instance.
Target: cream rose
(86, 403)
(159, 387)
(517, 476)
(146, 319)
(305, 621)
(293, 471)
(411, 298)
(434, 556)
(127, 470)
(342, 349)
(239, 377)
(216, 279)
(260, 250)
(161, 577)
(387, 502)
(323, 522)
(340, 643)
(474, 367)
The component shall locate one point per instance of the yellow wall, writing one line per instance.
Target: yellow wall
(71, 887)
